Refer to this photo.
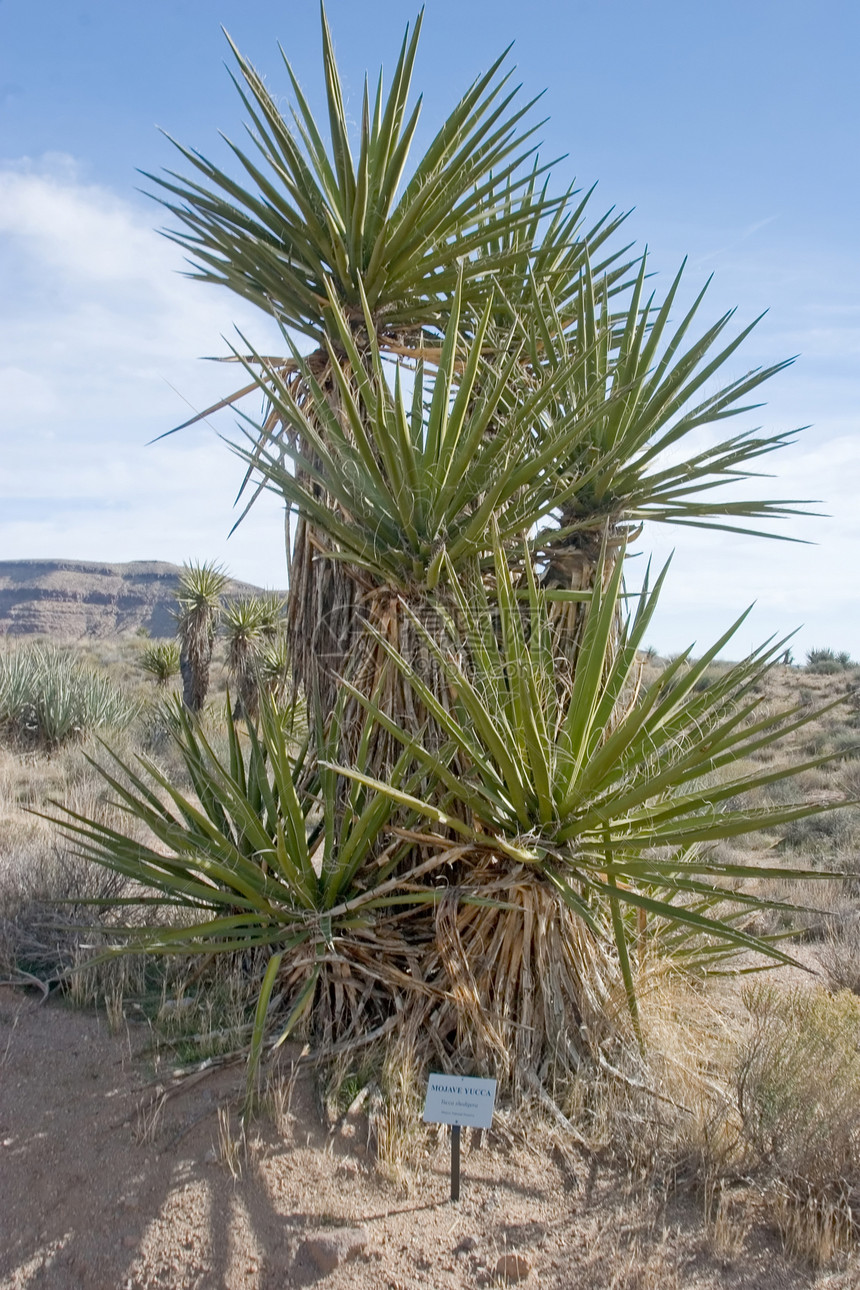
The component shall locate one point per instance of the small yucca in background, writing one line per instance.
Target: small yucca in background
(199, 599)
(242, 621)
(827, 661)
(161, 661)
(48, 697)
(274, 668)
(251, 626)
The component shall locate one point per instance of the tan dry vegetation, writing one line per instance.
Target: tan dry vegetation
(641, 1173)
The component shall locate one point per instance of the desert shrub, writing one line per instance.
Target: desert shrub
(826, 661)
(46, 899)
(47, 697)
(840, 955)
(845, 740)
(708, 677)
(820, 834)
(798, 1094)
(161, 661)
(850, 777)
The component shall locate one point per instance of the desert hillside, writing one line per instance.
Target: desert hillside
(74, 599)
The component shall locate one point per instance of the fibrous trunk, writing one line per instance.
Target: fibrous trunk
(195, 659)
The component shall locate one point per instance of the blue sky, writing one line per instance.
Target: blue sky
(731, 128)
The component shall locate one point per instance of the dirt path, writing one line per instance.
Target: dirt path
(90, 1200)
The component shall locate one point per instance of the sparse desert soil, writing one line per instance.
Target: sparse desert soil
(87, 1201)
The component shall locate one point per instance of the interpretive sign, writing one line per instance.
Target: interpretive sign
(460, 1099)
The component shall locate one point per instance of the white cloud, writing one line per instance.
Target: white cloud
(83, 232)
(97, 328)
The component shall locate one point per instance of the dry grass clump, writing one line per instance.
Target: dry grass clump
(43, 886)
(754, 1099)
(45, 911)
(666, 1109)
(120, 657)
(377, 1102)
(56, 908)
(202, 1014)
(798, 1095)
(52, 901)
(839, 956)
(232, 1146)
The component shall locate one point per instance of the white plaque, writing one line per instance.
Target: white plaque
(460, 1099)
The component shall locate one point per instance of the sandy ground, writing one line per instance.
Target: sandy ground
(90, 1200)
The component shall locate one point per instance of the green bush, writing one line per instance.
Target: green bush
(820, 834)
(48, 697)
(826, 661)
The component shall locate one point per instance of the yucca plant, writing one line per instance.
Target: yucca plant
(273, 606)
(267, 857)
(242, 622)
(405, 486)
(161, 660)
(400, 483)
(199, 608)
(490, 823)
(275, 670)
(316, 222)
(489, 893)
(368, 260)
(47, 696)
(589, 800)
(315, 215)
(252, 627)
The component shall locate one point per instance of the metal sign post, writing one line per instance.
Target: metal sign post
(455, 1162)
(459, 1100)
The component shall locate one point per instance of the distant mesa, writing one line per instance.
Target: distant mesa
(74, 599)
